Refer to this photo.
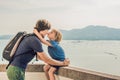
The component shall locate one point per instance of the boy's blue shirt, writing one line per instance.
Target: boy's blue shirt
(56, 51)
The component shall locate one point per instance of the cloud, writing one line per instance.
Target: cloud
(43, 6)
(62, 13)
(32, 6)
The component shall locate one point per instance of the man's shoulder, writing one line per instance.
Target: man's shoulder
(32, 38)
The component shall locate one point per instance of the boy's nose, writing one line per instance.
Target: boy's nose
(47, 34)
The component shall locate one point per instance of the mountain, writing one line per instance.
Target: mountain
(92, 33)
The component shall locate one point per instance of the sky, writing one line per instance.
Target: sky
(22, 15)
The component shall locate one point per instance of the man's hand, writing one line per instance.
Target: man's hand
(66, 62)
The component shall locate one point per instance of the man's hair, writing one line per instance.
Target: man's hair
(58, 35)
(42, 25)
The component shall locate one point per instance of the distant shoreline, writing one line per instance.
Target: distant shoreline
(78, 39)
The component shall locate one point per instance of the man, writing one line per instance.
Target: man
(28, 48)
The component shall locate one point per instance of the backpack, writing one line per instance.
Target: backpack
(12, 46)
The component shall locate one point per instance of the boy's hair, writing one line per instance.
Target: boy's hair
(42, 25)
(58, 35)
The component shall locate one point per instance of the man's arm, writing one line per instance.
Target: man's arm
(51, 61)
(41, 38)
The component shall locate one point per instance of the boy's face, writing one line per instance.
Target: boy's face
(51, 35)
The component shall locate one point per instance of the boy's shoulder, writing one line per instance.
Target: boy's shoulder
(54, 43)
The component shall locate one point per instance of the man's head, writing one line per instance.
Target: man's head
(42, 26)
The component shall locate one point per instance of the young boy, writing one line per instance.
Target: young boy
(54, 50)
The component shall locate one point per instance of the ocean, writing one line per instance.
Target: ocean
(98, 55)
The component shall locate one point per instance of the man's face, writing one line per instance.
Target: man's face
(44, 32)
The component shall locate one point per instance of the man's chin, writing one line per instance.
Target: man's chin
(43, 36)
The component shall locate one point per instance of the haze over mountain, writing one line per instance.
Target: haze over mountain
(5, 36)
(92, 32)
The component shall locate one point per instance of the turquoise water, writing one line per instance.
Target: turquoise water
(102, 56)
